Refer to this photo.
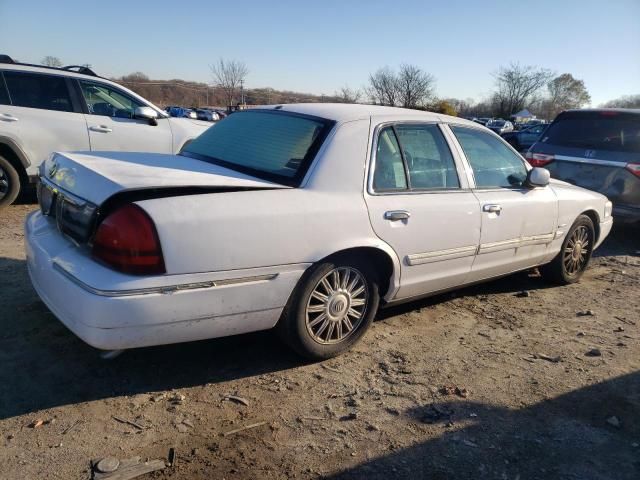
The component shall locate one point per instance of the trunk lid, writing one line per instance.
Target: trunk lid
(97, 176)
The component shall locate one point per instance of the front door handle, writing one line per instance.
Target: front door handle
(492, 208)
(6, 117)
(101, 129)
(395, 215)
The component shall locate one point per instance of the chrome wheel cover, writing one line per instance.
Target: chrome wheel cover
(576, 251)
(337, 305)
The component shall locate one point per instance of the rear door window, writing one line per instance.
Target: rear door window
(47, 92)
(389, 172)
(429, 160)
(607, 130)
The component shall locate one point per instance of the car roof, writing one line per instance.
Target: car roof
(47, 70)
(596, 110)
(345, 112)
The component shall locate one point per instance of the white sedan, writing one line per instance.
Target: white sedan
(306, 218)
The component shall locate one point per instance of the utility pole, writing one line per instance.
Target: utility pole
(242, 92)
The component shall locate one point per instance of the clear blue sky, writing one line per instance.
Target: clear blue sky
(320, 46)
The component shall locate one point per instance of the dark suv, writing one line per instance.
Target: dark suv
(596, 149)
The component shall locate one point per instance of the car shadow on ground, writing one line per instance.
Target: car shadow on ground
(56, 368)
(43, 365)
(571, 436)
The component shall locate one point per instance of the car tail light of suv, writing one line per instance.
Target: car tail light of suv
(634, 168)
(127, 241)
(538, 159)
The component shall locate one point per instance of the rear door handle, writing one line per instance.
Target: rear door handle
(395, 215)
(101, 129)
(492, 208)
(8, 117)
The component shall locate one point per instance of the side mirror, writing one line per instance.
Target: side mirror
(538, 177)
(147, 113)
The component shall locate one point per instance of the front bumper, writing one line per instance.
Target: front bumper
(108, 313)
(605, 229)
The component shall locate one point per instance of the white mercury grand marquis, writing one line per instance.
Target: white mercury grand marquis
(301, 217)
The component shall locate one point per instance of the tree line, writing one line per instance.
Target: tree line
(516, 87)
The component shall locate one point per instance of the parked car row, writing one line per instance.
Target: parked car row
(206, 114)
(305, 218)
(181, 238)
(47, 109)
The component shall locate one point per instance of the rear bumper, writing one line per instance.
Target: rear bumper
(128, 318)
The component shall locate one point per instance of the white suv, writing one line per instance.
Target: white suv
(45, 109)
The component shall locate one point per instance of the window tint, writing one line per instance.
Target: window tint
(278, 144)
(389, 173)
(4, 95)
(48, 92)
(608, 130)
(103, 100)
(428, 157)
(493, 163)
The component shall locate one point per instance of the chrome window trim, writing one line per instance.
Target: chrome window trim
(162, 289)
(462, 177)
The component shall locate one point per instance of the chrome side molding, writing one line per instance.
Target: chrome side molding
(166, 289)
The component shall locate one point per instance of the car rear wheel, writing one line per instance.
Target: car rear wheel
(331, 308)
(569, 265)
(9, 183)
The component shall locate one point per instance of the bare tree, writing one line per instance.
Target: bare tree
(383, 87)
(415, 87)
(229, 76)
(628, 101)
(565, 92)
(348, 95)
(50, 61)
(516, 85)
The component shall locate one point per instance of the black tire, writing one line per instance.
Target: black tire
(561, 270)
(293, 327)
(9, 183)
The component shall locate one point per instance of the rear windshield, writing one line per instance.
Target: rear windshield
(615, 131)
(273, 145)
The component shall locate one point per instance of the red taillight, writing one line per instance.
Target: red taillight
(538, 159)
(127, 241)
(634, 168)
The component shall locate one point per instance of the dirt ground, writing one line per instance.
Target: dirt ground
(531, 403)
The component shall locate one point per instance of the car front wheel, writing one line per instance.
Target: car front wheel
(331, 308)
(569, 265)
